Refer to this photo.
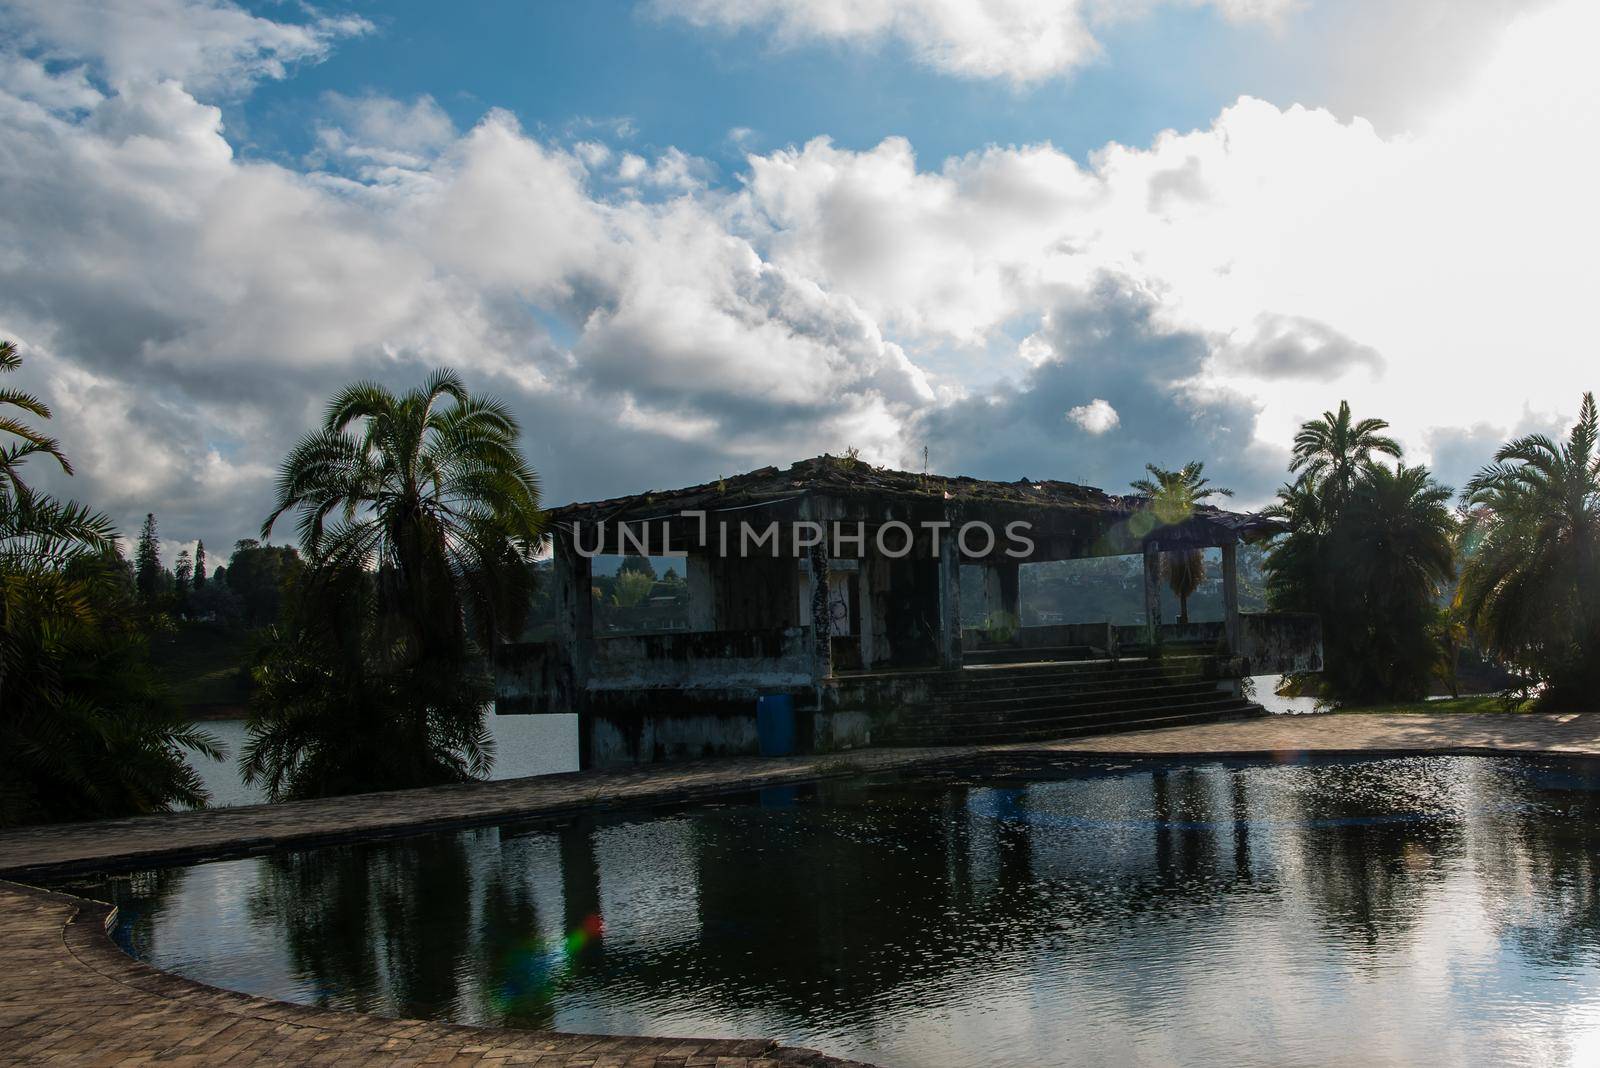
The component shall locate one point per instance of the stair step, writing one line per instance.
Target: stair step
(1070, 726)
(1033, 694)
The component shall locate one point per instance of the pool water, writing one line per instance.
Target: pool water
(1437, 910)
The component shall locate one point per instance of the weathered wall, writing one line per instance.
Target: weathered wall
(1056, 635)
(531, 678)
(643, 727)
(1279, 642)
(1213, 631)
(715, 659)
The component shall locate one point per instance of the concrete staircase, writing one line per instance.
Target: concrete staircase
(1041, 701)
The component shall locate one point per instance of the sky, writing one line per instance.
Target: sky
(688, 238)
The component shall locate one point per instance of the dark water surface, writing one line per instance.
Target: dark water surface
(1438, 910)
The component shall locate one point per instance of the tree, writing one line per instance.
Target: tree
(85, 730)
(30, 442)
(147, 560)
(260, 574)
(377, 680)
(631, 588)
(1373, 568)
(636, 564)
(199, 564)
(183, 572)
(1333, 450)
(1529, 587)
(1173, 497)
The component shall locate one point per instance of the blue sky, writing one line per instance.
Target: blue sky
(1053, 238)
(557, 63)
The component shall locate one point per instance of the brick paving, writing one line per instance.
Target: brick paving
(68, 995)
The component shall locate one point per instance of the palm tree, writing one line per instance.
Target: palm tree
(1373, 570)
(85, 728)
(1173, 497)
(418, 515)
(32, 442)
(1533, 536)
(1333, 449)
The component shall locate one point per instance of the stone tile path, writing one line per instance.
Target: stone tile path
(68, 995)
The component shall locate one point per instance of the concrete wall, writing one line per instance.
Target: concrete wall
(1280, 642)
(715, 659)
(531, 678)
(643, 727)
(534, 677)
(1055, 635)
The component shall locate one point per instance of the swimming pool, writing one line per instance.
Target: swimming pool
(1435, 909)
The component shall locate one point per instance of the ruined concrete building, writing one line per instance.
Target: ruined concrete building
(840, 584)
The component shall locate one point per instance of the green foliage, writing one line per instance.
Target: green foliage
(1173, 497)
(1334, 451)
(418, 517)
(205, 665)
(147, 560)
(85, 729)
(30, 442)
(199, 565)
(341, 707)
(1370, 558)
(1533, 560)
(636, 564)
(259, 574)
(631, 589)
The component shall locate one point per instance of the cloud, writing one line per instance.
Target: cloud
(1020, 41)
(1457, 453)
(1097, 417)
(187, 310)
(205, 44)
(1114, 367)
(382, 131)
(1292, 346)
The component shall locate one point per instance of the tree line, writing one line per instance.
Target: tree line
(1404, 572)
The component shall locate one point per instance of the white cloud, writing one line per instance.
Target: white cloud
(187, 310)
(1021, 41)
(206, 44)
(1097, 417)
(382, 131)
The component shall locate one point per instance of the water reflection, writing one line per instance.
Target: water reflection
(1438, 910)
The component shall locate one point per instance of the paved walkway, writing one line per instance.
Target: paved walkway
(69, 995)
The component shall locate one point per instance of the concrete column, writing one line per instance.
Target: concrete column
(991, 592)
(1008, 574)
(866, 587)
(821, 612)
(950, 595)
(574, 594)
(700, 571)
(1230, 595)
(1152, 593)
(1001, 591)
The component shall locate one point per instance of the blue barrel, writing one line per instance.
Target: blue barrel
(775, 724)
